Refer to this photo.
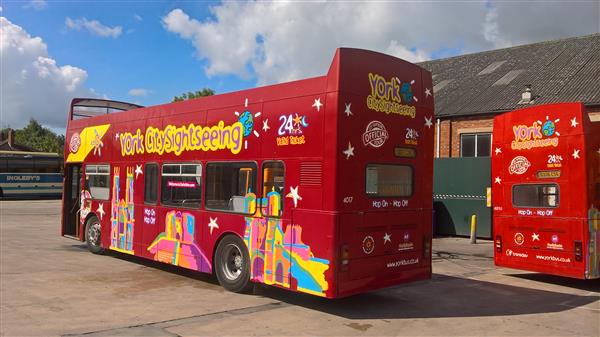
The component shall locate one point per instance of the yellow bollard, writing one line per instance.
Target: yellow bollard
(473, 228)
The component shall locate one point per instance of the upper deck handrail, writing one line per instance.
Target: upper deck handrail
(90, 107)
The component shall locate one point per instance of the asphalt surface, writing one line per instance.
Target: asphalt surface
(50, 285)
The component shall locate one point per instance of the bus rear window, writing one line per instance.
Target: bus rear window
(535, 195)
(389, 180)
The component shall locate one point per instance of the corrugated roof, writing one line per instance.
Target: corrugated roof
(492, 81)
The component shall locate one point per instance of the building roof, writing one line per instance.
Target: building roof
(564, 70)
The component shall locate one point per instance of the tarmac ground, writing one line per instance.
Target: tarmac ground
(51, 285)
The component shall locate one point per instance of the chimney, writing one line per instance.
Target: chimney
(11, 138)
(527, 97)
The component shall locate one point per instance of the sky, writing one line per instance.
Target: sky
(146, 52)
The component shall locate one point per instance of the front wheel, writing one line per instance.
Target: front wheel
(92, 235)
(232, 264)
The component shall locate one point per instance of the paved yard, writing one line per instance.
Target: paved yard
(52, 286)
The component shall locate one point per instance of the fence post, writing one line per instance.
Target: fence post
(473, 228)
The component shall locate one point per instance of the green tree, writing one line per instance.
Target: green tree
(195, 94)
(38, 137)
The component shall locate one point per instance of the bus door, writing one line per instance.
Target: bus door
(71, 200)
(276, 245)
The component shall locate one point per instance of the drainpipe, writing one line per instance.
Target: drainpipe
(437, 143)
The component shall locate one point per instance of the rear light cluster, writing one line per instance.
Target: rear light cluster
(498, 244)
(426, 247)
(344, 257)
(578, 251)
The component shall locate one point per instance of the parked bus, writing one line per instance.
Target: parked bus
(322, 186)
(546, 190)
(30, 174)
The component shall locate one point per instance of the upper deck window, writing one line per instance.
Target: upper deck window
(97, 181)
(389, 180)
(181, 185)
(535, 195)
(273, 188)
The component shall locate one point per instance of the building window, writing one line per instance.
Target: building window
(181, 185)
(229, 185)
(151, 183)
(475, 144)
(535, 195)
(273, 188)
(97, 179)
(389, 180)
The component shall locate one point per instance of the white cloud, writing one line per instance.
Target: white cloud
(94, 26)
(139, 92)
(37, 4)
(33, 84)
(137, 17)
(280, 41)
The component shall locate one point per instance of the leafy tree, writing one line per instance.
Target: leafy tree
(38, 137)
(196, 94)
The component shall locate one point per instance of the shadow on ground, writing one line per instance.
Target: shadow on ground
(588, 285)
(443, 296)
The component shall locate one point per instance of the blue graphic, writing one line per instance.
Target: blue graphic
(248, 121)
(548, 128)
(406, 93)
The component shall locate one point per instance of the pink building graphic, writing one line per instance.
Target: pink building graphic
(122, 220)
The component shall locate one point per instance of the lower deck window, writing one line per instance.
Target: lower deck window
(227, 185)
(97, 179)
(180, 185)
(389, 180)
(535, 195)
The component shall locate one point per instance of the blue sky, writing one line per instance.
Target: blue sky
(147, 52)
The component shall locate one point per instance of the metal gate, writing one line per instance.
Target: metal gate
(460, 191)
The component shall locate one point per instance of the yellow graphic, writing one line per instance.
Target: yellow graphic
(176, 140)
(388, 96)
(90, 140)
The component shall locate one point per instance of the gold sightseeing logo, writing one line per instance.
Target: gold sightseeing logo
(388, 95)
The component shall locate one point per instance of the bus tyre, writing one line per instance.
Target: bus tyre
(92, 235)
(232, 264)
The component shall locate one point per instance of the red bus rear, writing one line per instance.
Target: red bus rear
(322, 185)
(546, 190)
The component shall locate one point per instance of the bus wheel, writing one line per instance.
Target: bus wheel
(232, 264)
(92, 235)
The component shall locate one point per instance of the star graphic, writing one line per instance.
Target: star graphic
(387, 238)
(138, 171)
(575, 154)
(498, 150)
(350, 151)
(574, 122)
(213, 224)
(498, 180)
(535, 237)
(100, 210)
(318, 104)
(117, 136)
(347, 111)
(297, 119)
(428, 122)
(294, 195)
(427, 92)
(266, 125)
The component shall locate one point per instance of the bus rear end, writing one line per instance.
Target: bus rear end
(545, 190)
(384, 171)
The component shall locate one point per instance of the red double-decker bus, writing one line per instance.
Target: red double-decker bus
(546, 190)
(322, 185)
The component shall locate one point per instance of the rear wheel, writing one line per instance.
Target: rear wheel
(232, 264)
(92, 235)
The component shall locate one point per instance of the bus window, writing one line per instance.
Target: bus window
(181, 185)
(535, 195)
(151, 183)
(20, 165)
(97, 180)
(227, 185)
(273, 188)
(384, 180)
(47, 165)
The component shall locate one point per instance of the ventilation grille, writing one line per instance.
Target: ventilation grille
(311, 173)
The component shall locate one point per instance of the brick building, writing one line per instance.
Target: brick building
(471, 89)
